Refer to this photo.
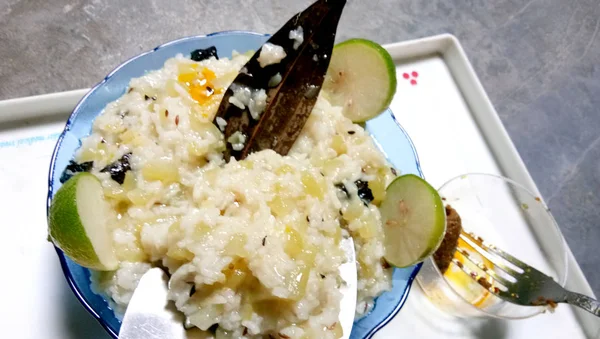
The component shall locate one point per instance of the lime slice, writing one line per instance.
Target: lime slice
(414, 222)
(77, 223)
(361, 78)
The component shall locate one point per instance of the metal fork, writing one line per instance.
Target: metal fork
(520, 284)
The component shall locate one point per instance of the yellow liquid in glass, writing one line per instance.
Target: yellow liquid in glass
(465, 285)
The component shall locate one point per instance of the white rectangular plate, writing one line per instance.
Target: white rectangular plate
(447, 103)
(446, 112)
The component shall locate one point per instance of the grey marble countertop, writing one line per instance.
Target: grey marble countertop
(539, 60)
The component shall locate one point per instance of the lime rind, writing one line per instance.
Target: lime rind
(389, 65)
(417, 229)
(87, 246)
(362, 89)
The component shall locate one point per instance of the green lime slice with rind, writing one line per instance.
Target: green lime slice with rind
(414, 221)
(361, 78)
(77, 223)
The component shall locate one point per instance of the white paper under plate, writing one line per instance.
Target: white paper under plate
(447, 104)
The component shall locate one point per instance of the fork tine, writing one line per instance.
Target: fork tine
(484, 250)
(481, 280)
(490, 247)
(486, 270)
(518, 263)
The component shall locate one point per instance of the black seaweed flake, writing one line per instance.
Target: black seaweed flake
(193, 290)
(118, 168)
(203, 54)
(351, 132)
(364, 192)
(74, 168)
(322, 276)
(264, 241)
(393, 171)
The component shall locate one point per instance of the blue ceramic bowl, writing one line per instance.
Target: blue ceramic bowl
(385, 130)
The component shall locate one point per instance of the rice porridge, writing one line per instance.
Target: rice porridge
(253, 245)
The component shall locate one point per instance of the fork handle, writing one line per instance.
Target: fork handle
(585, 302)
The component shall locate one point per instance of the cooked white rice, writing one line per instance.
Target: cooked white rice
(257, 240)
